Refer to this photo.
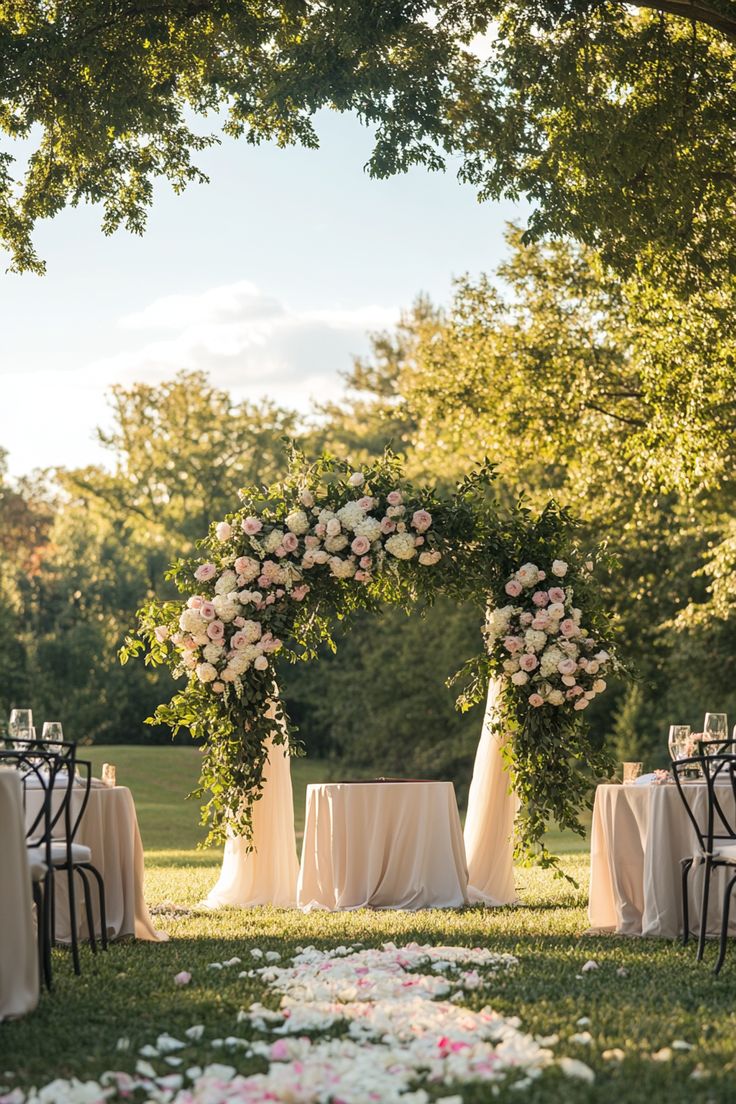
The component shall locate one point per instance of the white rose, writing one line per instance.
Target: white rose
(333, 527)
(273, 540)
(602, 657)
(559, 568)
(510, 665)
(227, 582)
(307, 499)
(223, 532)
(592, 667)
(357, 479)
(556, 609)
(519, 678)
(206, 672)
(297, 522)
(528, 574)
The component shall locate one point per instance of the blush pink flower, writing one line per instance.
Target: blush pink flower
(567, 666)
(252, 525)
(205, 572)
(581, 703)
(311, 542)
(366, 562)
(394, 498)
(360, 546)
(357, 479)
(195, 602)
(536, 700)
(218, 687)
(207, 610)
(290, 542)
(260, 663)
(224, 531)
(568, 627)
(388, 525)
(182, 978)
(556, 594)
(540, 598)
(528, 662)
(280, 551)
(362, 576)
(161, 633)
(421, 520)
(300, 592)
(512, 644)
(525, 619)
(366, 503)
(320, 529)
(513, 588)
(264, 581)
(216, 631)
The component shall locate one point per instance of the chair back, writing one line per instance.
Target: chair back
(718, 772)
(38, 770)
(64, 820)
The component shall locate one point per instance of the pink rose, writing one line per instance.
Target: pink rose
(320, 529)
(513, 588)
(528, 662)
(264, 581)
(540, 598)
(300, 592)
(362, 577)
(536, 700)
(541, 622)
(279, 1051)
(556, 594)
(260, 663)
(207, 610)
(568, 680)
(542, 575)
(366, 562)
(271, 599)
(419, 540)
(311, 542)
(357, 479)
(366, 503)
(388, 525)
(525, 618)
(280, 551)
(306, 498)
(218, 687)
(512, 643)
(568, 627)
(182, 978)
(567, 666)
(195, 602)
(239, 622)
(290, 542)
(280, 592)
(189, 643)
(581, 703)
(205, 572)
(421, 520)
(360, 546)
(216, 631)
(161, 633)
(575, 692)
(394, 498)
(223, 532)
(252, 525)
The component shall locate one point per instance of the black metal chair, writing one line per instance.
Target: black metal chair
(66, 855)
(38, 769)
(716, 834)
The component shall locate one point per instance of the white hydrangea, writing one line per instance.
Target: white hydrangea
(192, 622)
(242, 659)
(227, 606)
(535, 640)
(227, 582)
(336, 543)
(325, 515)
(297, 522)
(333, 527)
(213, 652)
(351, 514)
(250, 569)
(369, 527)
(556, 697)
(429, 558)
(273, 540)
(342, 569)
(401, 545)
(251, 630)
(206, 672)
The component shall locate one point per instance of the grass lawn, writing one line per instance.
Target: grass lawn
(644, 995)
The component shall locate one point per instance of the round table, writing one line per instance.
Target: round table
(640, 832)
(109, 828)
(18, 948)
(384, 844)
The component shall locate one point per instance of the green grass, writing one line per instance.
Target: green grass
(664, 995)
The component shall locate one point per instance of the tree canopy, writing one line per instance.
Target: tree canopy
(615, 120)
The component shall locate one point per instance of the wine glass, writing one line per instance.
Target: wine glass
(715, 727)
(20, 725)
(53, 735)
(677, 742)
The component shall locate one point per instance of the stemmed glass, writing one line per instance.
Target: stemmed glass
(20, 725)
(53, 734)
(715, 726)
(678, 741)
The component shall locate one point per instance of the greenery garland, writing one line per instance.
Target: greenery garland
(274, 576)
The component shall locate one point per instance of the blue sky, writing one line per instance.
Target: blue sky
(269, 278)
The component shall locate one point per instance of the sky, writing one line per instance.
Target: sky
(269, 278)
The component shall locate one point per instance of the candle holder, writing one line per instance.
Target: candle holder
(108, 774)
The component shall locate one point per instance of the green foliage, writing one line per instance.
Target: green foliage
(614, 120)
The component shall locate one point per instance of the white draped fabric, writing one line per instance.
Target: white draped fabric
(489, 824)
(268, 874)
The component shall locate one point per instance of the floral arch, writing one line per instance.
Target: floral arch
(272, 577)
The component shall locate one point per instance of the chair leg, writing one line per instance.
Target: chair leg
(103, 910)
(48, 897)
(724, 924)
(40, 933)
(74, 933)
(686, 867)
(704, 911)
(88, 909)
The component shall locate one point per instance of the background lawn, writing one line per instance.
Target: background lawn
(645, 994)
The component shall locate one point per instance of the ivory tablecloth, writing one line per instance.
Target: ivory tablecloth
(382, 845)
(639, 835)
(109, 828)
(18, 954)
